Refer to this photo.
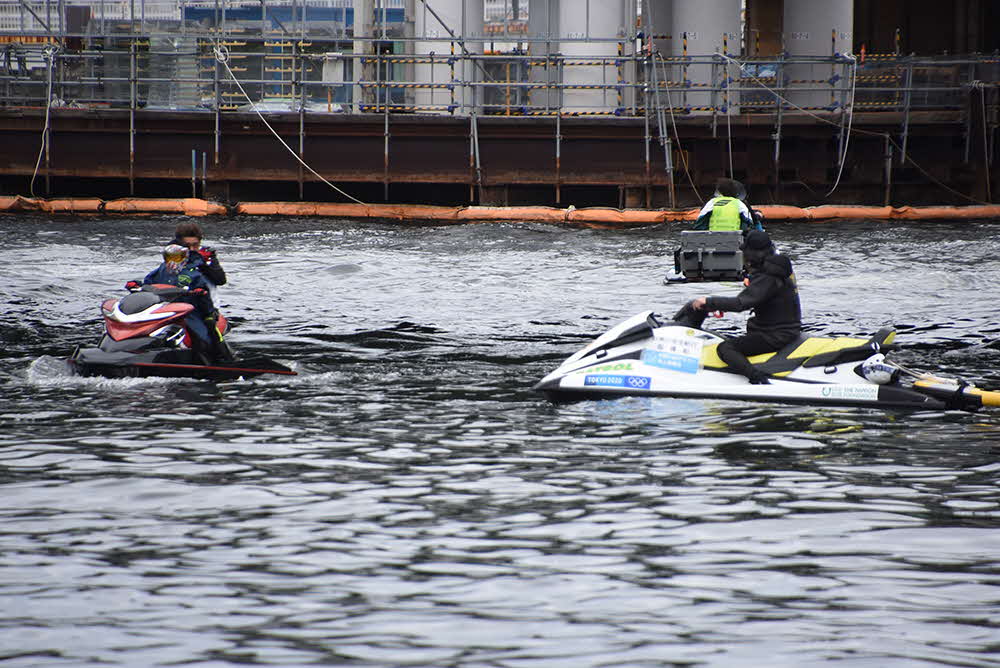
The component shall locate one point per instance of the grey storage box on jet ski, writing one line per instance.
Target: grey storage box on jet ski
(709, 256)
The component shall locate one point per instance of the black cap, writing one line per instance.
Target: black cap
(756, 240)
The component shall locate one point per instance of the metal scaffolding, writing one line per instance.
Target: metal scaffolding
(308, 55)
(311, 58)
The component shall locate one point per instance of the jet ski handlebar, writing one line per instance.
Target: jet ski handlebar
(161, 289)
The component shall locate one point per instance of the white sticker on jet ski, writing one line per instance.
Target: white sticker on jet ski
(614, 380)
(851, 392)
(677, 353)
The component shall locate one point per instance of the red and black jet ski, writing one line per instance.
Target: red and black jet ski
(145, 335)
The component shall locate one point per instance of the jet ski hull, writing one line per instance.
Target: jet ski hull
(91, 362)
(777, 391)
(642, 357)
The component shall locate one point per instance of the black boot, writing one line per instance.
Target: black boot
(220, 352)
(739, 363)
(200, 351)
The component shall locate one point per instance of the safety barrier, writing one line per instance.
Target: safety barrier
(596, 216)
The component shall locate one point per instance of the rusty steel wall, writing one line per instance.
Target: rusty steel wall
(601, 161)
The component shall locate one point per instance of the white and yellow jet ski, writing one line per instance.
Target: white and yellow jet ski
(645, 357)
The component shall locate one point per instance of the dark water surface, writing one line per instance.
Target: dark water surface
(407, 500)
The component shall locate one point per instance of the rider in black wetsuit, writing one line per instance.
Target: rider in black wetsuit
(772, 293)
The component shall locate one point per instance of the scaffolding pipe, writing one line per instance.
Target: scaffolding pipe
(558, 157)
(133, 73)
(888, 169)
(907, 98)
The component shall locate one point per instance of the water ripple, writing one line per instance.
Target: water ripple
(408, 501)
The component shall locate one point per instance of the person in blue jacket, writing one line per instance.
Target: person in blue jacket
(178, 269)
(190, 235)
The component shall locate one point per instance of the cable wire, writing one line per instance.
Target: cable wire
(50, 56)
(222, 55)
(850, 119)
(677, 136)
(869, 133)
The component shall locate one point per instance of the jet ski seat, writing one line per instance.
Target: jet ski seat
(811, 351)
(137, 302)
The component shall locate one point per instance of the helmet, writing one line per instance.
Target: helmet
(756, 240)
(174, 255)
(756, 247)
(730, 188)
(878, 371)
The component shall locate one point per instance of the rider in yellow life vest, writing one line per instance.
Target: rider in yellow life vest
(726, 211)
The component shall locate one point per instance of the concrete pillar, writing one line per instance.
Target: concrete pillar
(817, 29)
(701, 30)
(446, 28)
(364, 19)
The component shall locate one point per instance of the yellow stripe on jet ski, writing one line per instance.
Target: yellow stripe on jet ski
(811, 347)
(944, 389)
(989, 398)
(710, 357)
(816, 346)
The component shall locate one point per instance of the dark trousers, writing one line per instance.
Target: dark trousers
(735, 352)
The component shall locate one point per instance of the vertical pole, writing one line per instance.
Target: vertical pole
(298, 76)
(194, 173)
(385, 148)
(907, 96)
(645, 145)
(888, 169)
(670, 172)
(47, 139)
(833, 67)
(558, 155)
(779, 79)
(218, 111)
(777, 154)
(133, 66)
(843, 109)
(263, 48)
(302, 145)
(968, 115)
(684, 69)
(472, 160)
(479, 164)
(204, 175)
(383, 90)
(507, 93)
(714, 99)
(217, 88)
(725, 71)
